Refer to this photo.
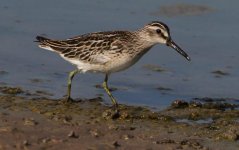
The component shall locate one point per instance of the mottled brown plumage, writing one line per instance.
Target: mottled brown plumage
(85, 46)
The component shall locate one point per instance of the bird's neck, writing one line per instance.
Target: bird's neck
(144, 38)
(141, 44)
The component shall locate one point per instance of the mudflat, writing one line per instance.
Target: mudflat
(27, 122)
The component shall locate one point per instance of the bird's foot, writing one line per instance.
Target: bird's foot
(116, 114)
(112, 113)
(67, 100)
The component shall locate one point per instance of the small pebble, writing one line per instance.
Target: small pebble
(179, 104)
(30, 122)
(156, 142)
(46, 140)
(94, 133)
(72, 135)
(26, 143)
(116, 144)
(127, 136)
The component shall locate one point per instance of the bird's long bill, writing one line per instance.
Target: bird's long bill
(178, 49)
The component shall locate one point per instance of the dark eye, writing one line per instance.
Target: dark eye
(158, 31)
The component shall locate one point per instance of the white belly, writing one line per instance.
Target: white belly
(110, 67)
(120, 64)
(114, 64)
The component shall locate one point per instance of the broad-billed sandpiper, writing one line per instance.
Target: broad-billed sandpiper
(109, 52)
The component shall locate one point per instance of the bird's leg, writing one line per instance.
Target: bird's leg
(105, 85)
(70, 77)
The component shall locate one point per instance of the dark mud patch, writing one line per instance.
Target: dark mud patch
(50, 124)
(11, 90)
(182, 10)
(155, 68)
(43, 93)
(220, 73)
(217, 103)
(37, 80)
(164, 88)
(7, 90)
(2, 72)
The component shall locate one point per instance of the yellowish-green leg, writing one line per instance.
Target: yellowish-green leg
(105, 85)
(70, 77)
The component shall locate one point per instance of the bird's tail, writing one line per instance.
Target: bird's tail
(47, 44)
(41, 39)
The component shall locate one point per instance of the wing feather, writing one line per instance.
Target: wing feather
(93, 48)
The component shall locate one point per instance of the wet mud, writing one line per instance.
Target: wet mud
(42, 123)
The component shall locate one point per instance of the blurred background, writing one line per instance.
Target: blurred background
(206, 30)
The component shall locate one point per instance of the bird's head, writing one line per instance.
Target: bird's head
(158, 32)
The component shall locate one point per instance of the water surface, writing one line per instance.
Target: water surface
(210, 38)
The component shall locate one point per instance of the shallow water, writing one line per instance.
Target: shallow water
(209, 37)
(191, 122)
